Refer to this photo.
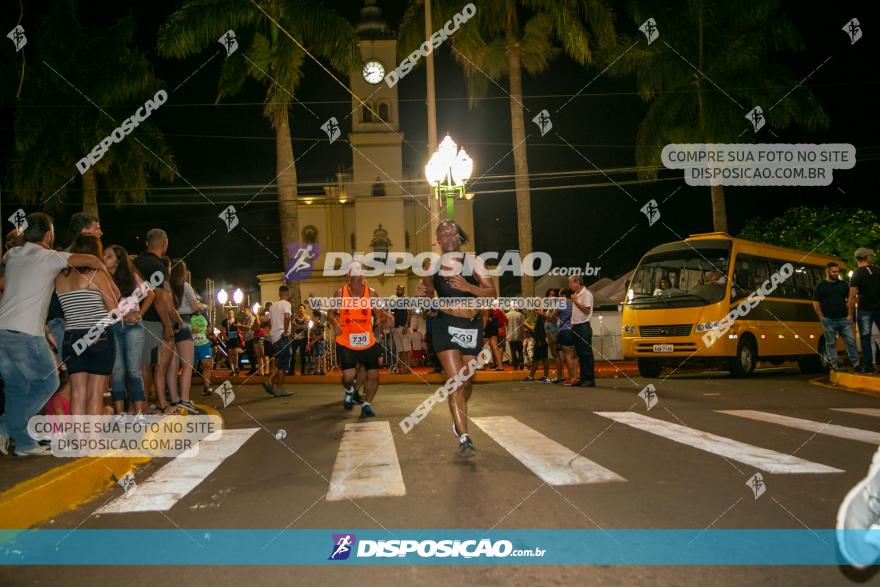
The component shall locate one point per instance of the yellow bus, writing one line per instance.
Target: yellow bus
(714, 300)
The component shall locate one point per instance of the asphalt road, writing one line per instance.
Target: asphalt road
(271, 483)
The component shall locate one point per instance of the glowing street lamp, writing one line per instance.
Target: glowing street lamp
(237, 296)
(256, 308)
(222, 297)
(447, 171)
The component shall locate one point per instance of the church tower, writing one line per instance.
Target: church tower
(375, 205)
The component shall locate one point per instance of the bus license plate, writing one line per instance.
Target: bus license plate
(662, 348)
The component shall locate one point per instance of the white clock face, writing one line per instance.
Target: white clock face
(373, 72)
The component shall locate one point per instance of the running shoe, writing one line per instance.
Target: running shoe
(37, 451)
(188, 406)
(545, 380)
(207, 391)
(570, 382)
(348, 401)
(586, 383)
(358, 399)
(858, 520)
(529, 379)
(367, 411)
(269, 389)
(465, 447)
(558, 380)
(4, 444)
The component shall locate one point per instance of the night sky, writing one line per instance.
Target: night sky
(232, 144)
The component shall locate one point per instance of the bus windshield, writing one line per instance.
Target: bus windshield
(680, 278)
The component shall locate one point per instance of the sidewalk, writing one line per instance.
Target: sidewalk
(423, 374)
(857, 381)
(36, 489)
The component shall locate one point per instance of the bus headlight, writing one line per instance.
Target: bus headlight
(627, 329)
(707, 326)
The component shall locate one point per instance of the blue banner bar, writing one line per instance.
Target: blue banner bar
(433, 547)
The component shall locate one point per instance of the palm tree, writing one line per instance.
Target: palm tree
(273, 59)
(55, 126)
(731, 43)
(501, 40)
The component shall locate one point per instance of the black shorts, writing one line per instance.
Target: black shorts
(184, 334)
(233, 343)
(565, 338)
(282, 350)
(350, 358)
(96, 358)
(540, 353)
(455, 333)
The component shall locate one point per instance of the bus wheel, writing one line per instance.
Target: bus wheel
(649, 368)
(743, 364)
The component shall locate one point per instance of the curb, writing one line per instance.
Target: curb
(603, 370)
(66, 487)
(857, 381)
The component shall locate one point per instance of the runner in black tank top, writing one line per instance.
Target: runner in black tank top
(457, 333)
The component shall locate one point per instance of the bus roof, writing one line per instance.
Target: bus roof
(770, 249)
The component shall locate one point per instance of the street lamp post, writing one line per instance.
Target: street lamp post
(447, 171)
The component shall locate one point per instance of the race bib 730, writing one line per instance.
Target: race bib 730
(359, 339)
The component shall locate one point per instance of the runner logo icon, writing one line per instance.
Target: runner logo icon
(343, 544)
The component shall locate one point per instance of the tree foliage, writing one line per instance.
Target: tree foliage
(55, 126)
(830, 230)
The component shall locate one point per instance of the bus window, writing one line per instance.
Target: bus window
(743, 281)
(760, 271)
(802, 282)
(786, 288)
(681, 277)
(818, 275)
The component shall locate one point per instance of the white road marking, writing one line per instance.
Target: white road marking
(546, 458)
(861, 411)
(366, 464)
(809, 425)
(760, 458)
(176, 479)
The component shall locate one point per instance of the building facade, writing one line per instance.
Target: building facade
(372, 206)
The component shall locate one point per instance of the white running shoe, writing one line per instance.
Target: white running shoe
(858, 520)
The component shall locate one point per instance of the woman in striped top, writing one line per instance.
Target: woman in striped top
(86, 297)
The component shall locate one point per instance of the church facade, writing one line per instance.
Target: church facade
(372, 206)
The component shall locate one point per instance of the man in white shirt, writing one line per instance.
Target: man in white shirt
(417, 327)
(515, 337)
(279, 343)
(582, 311)
(27, 363)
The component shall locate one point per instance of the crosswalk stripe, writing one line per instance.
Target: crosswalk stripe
(761, 458)
(176, 479)
(808, 425)
(546, 458)
(861, 411)
(366, 464)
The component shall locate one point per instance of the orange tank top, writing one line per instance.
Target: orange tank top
(356, 323)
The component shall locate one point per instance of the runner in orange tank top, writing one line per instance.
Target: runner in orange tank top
(355, 343)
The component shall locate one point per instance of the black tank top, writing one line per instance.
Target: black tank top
(444, 290)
